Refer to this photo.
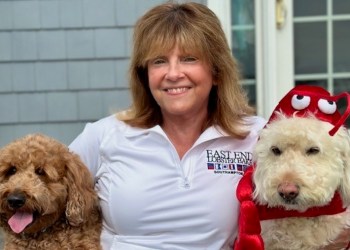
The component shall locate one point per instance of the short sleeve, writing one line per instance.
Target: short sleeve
(87, 145)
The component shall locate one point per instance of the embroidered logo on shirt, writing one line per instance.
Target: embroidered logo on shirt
(228, 162)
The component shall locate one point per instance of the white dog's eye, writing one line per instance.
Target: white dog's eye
(300, 102)
(276, 151)
(313, 151)
(327, 107)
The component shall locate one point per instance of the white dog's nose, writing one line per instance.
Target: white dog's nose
(288, 191)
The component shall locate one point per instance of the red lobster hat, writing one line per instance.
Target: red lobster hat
(300, 101)
(304, 99)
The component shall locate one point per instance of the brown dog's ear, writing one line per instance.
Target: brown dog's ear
(82, 199)
(345, 154)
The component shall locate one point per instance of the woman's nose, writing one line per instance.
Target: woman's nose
(174, 71)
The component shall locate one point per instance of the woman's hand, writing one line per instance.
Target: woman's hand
(341, 242)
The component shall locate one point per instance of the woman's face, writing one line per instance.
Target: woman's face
(180, 83)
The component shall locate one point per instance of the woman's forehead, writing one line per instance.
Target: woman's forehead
(157, 49)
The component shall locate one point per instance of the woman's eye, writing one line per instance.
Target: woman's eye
(300, 102)
(327, 107)
(158, 61)
(189, 59)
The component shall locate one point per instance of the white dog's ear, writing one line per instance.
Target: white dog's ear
(345, 154)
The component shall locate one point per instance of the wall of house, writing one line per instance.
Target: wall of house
(63, 63)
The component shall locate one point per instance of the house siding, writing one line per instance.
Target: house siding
(64, 63)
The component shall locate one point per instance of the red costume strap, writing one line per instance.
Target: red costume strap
(249, 222)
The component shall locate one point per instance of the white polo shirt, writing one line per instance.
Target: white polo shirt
(152, 199)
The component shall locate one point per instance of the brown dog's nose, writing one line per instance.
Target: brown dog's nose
(288, 191)
(16, 200)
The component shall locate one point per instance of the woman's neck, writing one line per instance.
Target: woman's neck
(183, 133)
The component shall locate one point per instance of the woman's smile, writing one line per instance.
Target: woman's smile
(176, 91)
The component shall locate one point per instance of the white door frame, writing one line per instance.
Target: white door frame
(274, 49)
(222, 9)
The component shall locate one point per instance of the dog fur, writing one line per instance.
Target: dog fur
(297, 157)
(40, 176)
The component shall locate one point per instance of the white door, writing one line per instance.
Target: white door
(282, 43)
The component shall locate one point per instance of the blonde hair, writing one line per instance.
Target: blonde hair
(193, 27)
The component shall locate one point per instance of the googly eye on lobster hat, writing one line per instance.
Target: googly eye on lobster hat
(305, 99)
(300, 101)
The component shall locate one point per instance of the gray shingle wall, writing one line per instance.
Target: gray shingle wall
(63, 63)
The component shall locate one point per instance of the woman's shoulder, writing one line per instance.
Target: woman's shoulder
(105, 124)
(107, 121)
(95, 132)
(256, 124)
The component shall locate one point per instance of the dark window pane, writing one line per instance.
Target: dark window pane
(242, 12)
(243, 47)
(310, 7)
(341, 7)
(310, 46)
(320, 83)
(251, 92)
(341, 42)
(341, 85)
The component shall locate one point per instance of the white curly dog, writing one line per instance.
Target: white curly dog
(299, 166)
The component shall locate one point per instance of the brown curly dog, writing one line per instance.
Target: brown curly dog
(47, 197)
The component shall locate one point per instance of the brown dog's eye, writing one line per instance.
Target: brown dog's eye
(11, 171)
(40, 171)
(276, 151)
(312, 151)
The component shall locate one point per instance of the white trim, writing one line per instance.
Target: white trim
(322, 76)
(285, 52)
(321, 18)
(222, 9)
(330, 59)
(259, 59)
(243, 27)
(268, 57)
(275, 58)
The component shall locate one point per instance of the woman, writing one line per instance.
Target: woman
(166, 170)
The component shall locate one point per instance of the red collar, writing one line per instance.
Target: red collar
(334, 207)
(251, 213)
